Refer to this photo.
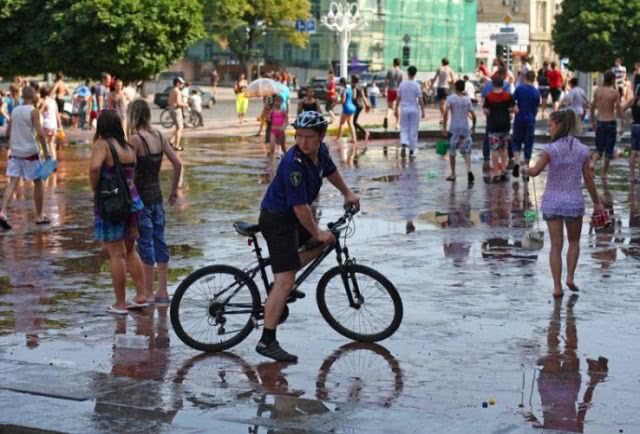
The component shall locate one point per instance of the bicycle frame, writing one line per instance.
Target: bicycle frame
(342, 256)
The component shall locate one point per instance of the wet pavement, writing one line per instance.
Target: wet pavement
(479, 326)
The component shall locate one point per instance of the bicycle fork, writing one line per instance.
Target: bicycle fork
(349, 279)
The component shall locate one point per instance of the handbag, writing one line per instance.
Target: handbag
(46, 168)
(112, 195)
(533, 239)
(600, 219)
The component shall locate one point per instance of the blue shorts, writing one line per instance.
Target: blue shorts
(606, 137)
(523, 133)
(635, 137)
(151, 244)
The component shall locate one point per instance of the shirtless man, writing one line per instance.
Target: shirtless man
(176, 104)
(391, 84)
(606, 101)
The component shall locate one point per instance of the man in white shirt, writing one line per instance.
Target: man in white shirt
(408, 101)
(576, 99)
(459, 134)
(621, 75)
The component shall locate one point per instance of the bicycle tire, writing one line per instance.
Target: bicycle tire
(335, 324)
(165, 118)
(213, 270)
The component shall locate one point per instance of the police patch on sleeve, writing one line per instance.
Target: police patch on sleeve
(295, 178)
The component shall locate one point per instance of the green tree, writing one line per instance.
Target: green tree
(592, 33)
(133, 39)
(239, 25)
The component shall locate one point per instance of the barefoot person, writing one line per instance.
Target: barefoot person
(119, 237)
(150, 146)
(562, 201)
(24, 132)
(606, 102)
(392, 83)
(408, 103)
(527, 99)
(461, 108)
(176, 104)
(287, 222)
(444, 78)
(348, 110)
(634, 105)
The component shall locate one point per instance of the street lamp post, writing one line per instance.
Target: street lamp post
(343, 18)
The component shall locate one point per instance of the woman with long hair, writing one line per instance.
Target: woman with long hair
(150, 146)
(562, 201)
(119, 237)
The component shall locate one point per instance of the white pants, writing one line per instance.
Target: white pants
(409, 121)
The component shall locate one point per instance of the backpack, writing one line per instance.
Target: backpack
(112, 195)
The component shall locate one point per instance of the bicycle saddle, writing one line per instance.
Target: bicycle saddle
(246, 229)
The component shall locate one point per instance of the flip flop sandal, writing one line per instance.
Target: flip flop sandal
(451, 178)
(573, 287)
(44, 221)
(558, 295)
(162, 300)
(4, 224)
(132, 304)
(116, 311)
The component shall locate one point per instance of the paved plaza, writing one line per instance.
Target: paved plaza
(480, 325)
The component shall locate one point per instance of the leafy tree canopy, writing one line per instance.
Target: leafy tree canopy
(592, 33)
(240, 24)
(133, 39)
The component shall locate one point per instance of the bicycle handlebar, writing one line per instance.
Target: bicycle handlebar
(349, 212)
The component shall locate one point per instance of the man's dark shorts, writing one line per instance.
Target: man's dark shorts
(556, 92)
(606, 132)
(284, 235)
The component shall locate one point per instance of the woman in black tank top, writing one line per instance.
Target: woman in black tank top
(309, 103)
(150, 146)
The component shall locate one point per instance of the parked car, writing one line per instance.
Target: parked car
(166, 79)
(161, 99)
(319, 85)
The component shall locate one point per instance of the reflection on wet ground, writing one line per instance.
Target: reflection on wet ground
(479, 321)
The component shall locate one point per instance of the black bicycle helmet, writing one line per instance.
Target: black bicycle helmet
(311, 120)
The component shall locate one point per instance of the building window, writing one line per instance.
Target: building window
(315, 9)
(380, 7)
(541, 15)
(315, 51)
(287, 52)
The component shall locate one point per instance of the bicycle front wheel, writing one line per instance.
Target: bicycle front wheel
(165, 119)
(376, 311)
(215, 308)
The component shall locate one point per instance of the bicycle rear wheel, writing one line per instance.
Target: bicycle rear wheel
(215, 308)
(377, 310)
(165, 118)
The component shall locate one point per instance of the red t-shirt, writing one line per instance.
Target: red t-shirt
(331, 91)
(555, 78)
(484, 70)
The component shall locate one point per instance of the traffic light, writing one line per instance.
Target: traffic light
(406, 54)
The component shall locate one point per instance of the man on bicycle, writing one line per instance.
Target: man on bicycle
(287, 222)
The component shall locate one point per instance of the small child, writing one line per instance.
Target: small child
(374, 92)
(195, 103)
(278, 119)
(50, 119)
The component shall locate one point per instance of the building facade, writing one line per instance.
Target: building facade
(533, 21)
(420, 32)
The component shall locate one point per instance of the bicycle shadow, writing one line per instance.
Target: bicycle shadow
(355, 373)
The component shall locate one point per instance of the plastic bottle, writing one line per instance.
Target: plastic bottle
(133, 342)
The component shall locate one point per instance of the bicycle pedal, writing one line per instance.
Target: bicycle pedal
(297, 294)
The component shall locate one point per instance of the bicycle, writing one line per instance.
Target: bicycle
(191, 119)
(230, 310)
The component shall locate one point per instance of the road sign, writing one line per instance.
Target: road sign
(507, 19)
(507, 29)
(311, 25)
(308, 26)
(505, 38)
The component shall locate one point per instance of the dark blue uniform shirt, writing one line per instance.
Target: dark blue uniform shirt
(297, 180)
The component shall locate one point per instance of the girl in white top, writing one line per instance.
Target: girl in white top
(24, 127)
(50, 119)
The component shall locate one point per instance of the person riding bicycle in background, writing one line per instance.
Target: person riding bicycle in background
(287, 222)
